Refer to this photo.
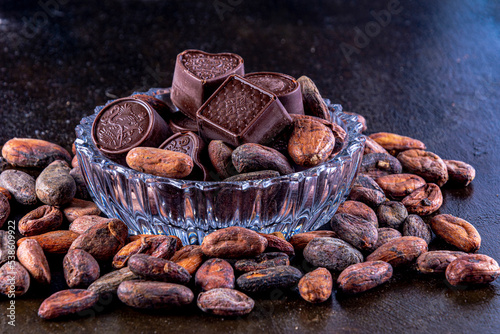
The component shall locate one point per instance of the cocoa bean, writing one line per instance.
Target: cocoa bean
(371, 146)
(103, 240)
(359, 209)
(258, 175)
(160, 162)
(14, 279)
(253, 157)
(220, 156)
(81, 224)
(67, 302)
(78, 208)
(82, 191)
(436, 261)
(225, 302)
(215, 273)
(299, 241)
(459, 172)
(233, 242)
(396, 143)
(164, 248)
(109, 283)
(4, 209)
(156, 269)
(472, 269)
(6, 193)
(263, 280)
(331, 253)
(154, 295)
(4, 245)
(262, 261)
(397, 186)
(457, 232)
(316, 286)
(425, 164)
(399, 252)
(355, 230)
(27, 152)
(55, 186)
(55, 242)
(80, 268)
(367, 191)
(360, 119)
(277, 244)
(314, 104)
(416, 227)
(380, 164)
(361, 277)
(424, 200)
(145, 245)
(190, 257)
(30, 254)
(385, 234)
(391, 214)
(43, 219)
(20, 184)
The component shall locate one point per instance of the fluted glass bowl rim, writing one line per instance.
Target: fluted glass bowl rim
(352, 126)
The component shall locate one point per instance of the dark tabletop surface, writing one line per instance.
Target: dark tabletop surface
(426, 69)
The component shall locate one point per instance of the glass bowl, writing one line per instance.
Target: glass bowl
(293, 203)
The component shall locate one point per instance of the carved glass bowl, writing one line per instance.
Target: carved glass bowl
(148, 204)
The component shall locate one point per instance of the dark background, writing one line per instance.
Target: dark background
(430, 70)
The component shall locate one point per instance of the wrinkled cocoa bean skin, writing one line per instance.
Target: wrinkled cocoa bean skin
(103, 240)
(425, 164)
(367, 191)
(78, 208)
(359, 209)
(316, 286)
(397, 186)
(82, 191)
(6, 193)
(43, 219)
(457, 232)
(80, 268)
(233, 242)
(416, 227)
(371, 146)
(220, 157)
(332, 253)
(54, 242)
(391, 214)
(81, 224)
(424, 200)
(215, 273)
(472, 269)
(364, 276)
(277, 244)
(154, 295)
(55, 186)
(399, 252)
(258, 175)
(262, 261)
(385, 234)
(144, 245)
(189, 257)
(459, 172)
(299, 241)
(396, 143)
(14, 272)
(20, 184)
(109, 283)
(156, 269)
(225, 302)
(27, 152)
(314, 104)
(30, 254)
(67, 302)
(4, 246)
(436, 261)
(160, 162)
(253, 157)
(263, 280)
(380, 164)
(4, 209)
(355, 230)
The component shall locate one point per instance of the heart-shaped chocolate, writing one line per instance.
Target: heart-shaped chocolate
(198, 74)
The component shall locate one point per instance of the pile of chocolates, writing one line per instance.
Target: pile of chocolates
(219, 123)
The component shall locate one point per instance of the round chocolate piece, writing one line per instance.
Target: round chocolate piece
(285, 87)
(127, 123)
(179, 122)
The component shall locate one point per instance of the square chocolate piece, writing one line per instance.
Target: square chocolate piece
(240, 112)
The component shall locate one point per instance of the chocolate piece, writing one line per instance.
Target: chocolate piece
(240, 112)
(286, 88)
(188, 143)
(179, 122)
(161, 107)
(127, 123)
(198, 74)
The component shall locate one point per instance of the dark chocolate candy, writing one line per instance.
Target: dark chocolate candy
(189, 143)
(198, 74)
(179, 122)
(240, 112)
(161, 107)
(127, 123)
(285, 87)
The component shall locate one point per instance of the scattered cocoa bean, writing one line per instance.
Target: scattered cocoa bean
(359, 209)
(424, 200)
(14, 279)
(385, 234)
(459, 172)
(367, 191)
(20, 184)
(361, 277)
(396, 143)
(30, 254)
(380, 164)
(164, 248)
(154, 295)
(109, 283)
(425, 164)
(233, 242)
(225, 302)
(27, 152)
(472, 269)
(55, 186)
(416, 227)
(190, 257)
(436, 261)
(43, 219)
(156, 269)
(4, 209)
(457, 232)
(263, 280)
(399, 252)
(391, 214)
(78, 207)
(355, 230)
(160, 162)
(397, 186)
(81, 224)
(277, 244)
(80, 268)
(145, 245)
(6, 193)
(213, 274)
(332, 253)
(262, 261)
(67, 302)
(299, 241)
(316, 286)
(4, 245)
(54, 242)
(371, 146)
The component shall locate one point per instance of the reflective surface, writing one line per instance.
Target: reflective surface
(431, 72)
